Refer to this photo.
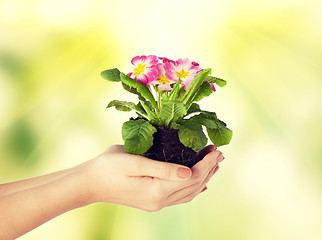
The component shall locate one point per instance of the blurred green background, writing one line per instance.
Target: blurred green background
(52, 108)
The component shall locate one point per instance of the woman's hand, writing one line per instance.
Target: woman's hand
(114, 176)
(136, 181)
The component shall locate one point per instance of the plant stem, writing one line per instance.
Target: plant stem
(151, 115)
(158, 98)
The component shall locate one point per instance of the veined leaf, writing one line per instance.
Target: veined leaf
(195, 84)
(137, 136)
(204, 91)
(126, 106)
(220, 136)
(194, 107)
(170, 111)
(208, 119)
(140, 88)
(218, 133)
(191, 135)
(220, 82)
(112, 75)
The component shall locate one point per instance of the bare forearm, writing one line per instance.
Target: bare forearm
(29, 208)
(12, 187)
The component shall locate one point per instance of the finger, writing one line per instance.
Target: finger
(185, 199)
(163, 170)
(188, 197)
(202, 168)
(210, 175)
(183, 192)
(203, 152)
(196, 187)
(189, 193)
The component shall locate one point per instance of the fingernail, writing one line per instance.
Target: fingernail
(184, 172)
(204, 189)
(221, 159)
(215, 170)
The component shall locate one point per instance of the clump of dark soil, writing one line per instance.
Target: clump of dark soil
(168, 148)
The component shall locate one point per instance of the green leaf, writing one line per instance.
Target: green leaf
(191, 135)
(194, 107)
(148, 109)
(204, 91)
(220, 82)
(220, 136)
(170, 111)
(140, 88)
(112, 75)
(195, 85)
(137, 136)
(208, 119)
(174, 93)
(126, 106)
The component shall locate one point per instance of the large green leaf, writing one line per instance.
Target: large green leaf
(126, 106)
(112, 75)
(170, 111)
(208, 119)
(195, 85)
(220, 82)
(194, 107)
(220, 136)
(140, 88)
(137, 136)
(133, 90)
(191, 135)
(218, 133)
(204, 91)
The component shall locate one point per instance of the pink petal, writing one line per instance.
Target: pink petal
(151, 60)
(161, 70)
(129, 74)
(165, 60)
(166, 86)
(187, 81)
(136, 60)
(150, 73)
(153, 83)
(195, 64)
(184, 64)
(171, 75)
(213, 87)
(142, 78)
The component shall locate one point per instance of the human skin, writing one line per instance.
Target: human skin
(114, 177)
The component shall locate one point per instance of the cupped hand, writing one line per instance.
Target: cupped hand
(136, 181)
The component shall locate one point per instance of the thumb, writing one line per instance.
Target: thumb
(163, 170)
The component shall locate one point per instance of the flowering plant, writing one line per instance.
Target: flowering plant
(168, 91)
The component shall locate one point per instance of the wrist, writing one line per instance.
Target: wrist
(86, 182)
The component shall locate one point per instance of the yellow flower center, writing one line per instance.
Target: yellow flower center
(182, 74)
(139, 69)
(163, 80)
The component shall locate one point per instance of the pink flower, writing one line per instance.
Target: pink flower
(183, 69)
(144, 70)
(164, 60)
(161, 80)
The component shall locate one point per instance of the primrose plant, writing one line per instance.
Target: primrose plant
(168, 91)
